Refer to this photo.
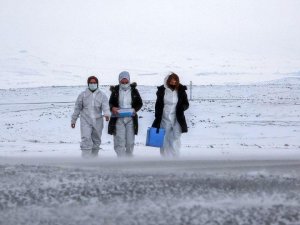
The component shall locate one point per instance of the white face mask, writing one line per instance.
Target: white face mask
(125, 86)
(93, 87)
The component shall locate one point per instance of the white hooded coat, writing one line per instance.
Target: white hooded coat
(89, 106)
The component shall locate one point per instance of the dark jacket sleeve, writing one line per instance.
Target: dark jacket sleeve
(137, 101)
(113, 100)
(159, 106)
(185, 102)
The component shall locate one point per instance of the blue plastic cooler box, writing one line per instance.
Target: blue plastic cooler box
(155, 137)
(124, 113)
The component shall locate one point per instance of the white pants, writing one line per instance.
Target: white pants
(90, 136)
(172, 143)
(124, 138)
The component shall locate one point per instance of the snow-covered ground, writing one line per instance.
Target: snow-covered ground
(227, 121)
(240, 161)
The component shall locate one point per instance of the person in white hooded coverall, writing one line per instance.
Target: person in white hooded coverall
(89, 106)
(124, 129)
(170, 105)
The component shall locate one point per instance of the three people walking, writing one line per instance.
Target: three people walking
(170, 105)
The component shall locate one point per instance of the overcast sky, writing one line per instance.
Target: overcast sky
(129, 33)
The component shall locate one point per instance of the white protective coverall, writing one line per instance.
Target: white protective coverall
(124, 138)
(172, 143)
(89, 106)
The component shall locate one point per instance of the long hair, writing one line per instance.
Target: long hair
(175, 77)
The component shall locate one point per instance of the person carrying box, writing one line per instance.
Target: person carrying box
(170, 105)
(125, 101)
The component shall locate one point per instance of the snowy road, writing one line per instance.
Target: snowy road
(239, 163)
(75, 191)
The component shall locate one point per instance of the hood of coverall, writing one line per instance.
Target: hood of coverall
(123, 75)
(126, 75)
(165, 81)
